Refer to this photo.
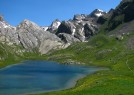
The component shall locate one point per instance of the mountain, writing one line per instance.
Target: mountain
(4, 24)
(58, 35)
(53, 27)
(112, 47)
(8, 33)
(97, 13)
(30, 36)
(61, 34)
(82, 26)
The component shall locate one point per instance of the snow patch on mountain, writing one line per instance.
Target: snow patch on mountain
(55, 25)
(98, 14)
(100, 10)
(5, 25)
(45, 28)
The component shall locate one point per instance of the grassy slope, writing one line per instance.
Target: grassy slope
(100, 51)
(14, 54)
(8, 55)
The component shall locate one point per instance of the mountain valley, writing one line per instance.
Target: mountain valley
(103, 39)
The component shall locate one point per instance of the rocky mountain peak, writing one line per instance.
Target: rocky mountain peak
(79, 17)
(28, 25)
(54, 26)
(5, 25)
(97, 13)
(27, 22)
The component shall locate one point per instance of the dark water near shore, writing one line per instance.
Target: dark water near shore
(40, 76)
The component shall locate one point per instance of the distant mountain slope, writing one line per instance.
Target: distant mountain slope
(123, 13)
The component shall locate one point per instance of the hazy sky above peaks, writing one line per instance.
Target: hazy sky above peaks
(43, 12)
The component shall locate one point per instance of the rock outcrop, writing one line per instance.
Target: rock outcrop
(9, 36)
(33, 36)
(82, 26)
(97, 13)
(54, 26)
(68, 38)
(8, 33)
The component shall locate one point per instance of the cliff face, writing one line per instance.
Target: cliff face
(83, 26)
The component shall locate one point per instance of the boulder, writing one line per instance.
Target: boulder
(66, 27)
(68, 38)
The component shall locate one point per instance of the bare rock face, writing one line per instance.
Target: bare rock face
(45, 28)
(97, 13)
(66, 27)
(80, 17)
(49, 45)
(8, 33)
(55, 25)
(89, 30)
(9, 36)
(33, 36)
(82, 26)
(5, 25)
(68, 38)
(27, 26)
(29, 34)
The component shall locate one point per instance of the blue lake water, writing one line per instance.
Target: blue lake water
(40, 76)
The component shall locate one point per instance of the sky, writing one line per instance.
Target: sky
(43, 12)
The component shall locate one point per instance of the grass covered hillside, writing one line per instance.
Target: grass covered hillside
(9, 54)
(115, 53)
(13, 54)
(106, 51)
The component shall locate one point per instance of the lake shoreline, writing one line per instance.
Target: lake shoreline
(71, 83)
